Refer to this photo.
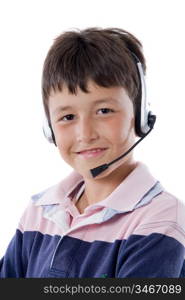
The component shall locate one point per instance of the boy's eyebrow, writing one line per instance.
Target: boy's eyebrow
(99, 101)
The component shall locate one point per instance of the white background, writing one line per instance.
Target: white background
(28, 162)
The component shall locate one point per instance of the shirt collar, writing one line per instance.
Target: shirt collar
(126, 195)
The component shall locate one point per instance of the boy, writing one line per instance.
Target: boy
(113, 221)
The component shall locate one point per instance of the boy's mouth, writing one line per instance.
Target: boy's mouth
(91, 152)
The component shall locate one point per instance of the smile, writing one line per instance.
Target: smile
(92, 153)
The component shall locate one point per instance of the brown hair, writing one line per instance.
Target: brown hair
(102, 55)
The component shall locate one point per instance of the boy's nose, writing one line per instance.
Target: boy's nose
(86, 131)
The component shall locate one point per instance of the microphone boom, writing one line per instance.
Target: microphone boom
(96, 171)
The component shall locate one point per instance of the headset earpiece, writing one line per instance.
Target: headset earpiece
(151, 119)
(48, 132)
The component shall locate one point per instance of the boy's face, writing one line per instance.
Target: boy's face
(93, 128)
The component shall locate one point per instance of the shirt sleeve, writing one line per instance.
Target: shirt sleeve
(14, 261)
(150, 256)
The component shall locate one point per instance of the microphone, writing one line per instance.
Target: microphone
(96, 171)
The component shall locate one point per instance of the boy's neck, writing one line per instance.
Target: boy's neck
(97, 190)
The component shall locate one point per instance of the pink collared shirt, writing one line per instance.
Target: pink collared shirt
(137, 231)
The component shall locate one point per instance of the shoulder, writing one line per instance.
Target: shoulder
(168, 207)
(33, 213)
(165, 215)
(46, 201)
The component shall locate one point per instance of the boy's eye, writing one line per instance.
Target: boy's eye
(105, 110)
(67, 117)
